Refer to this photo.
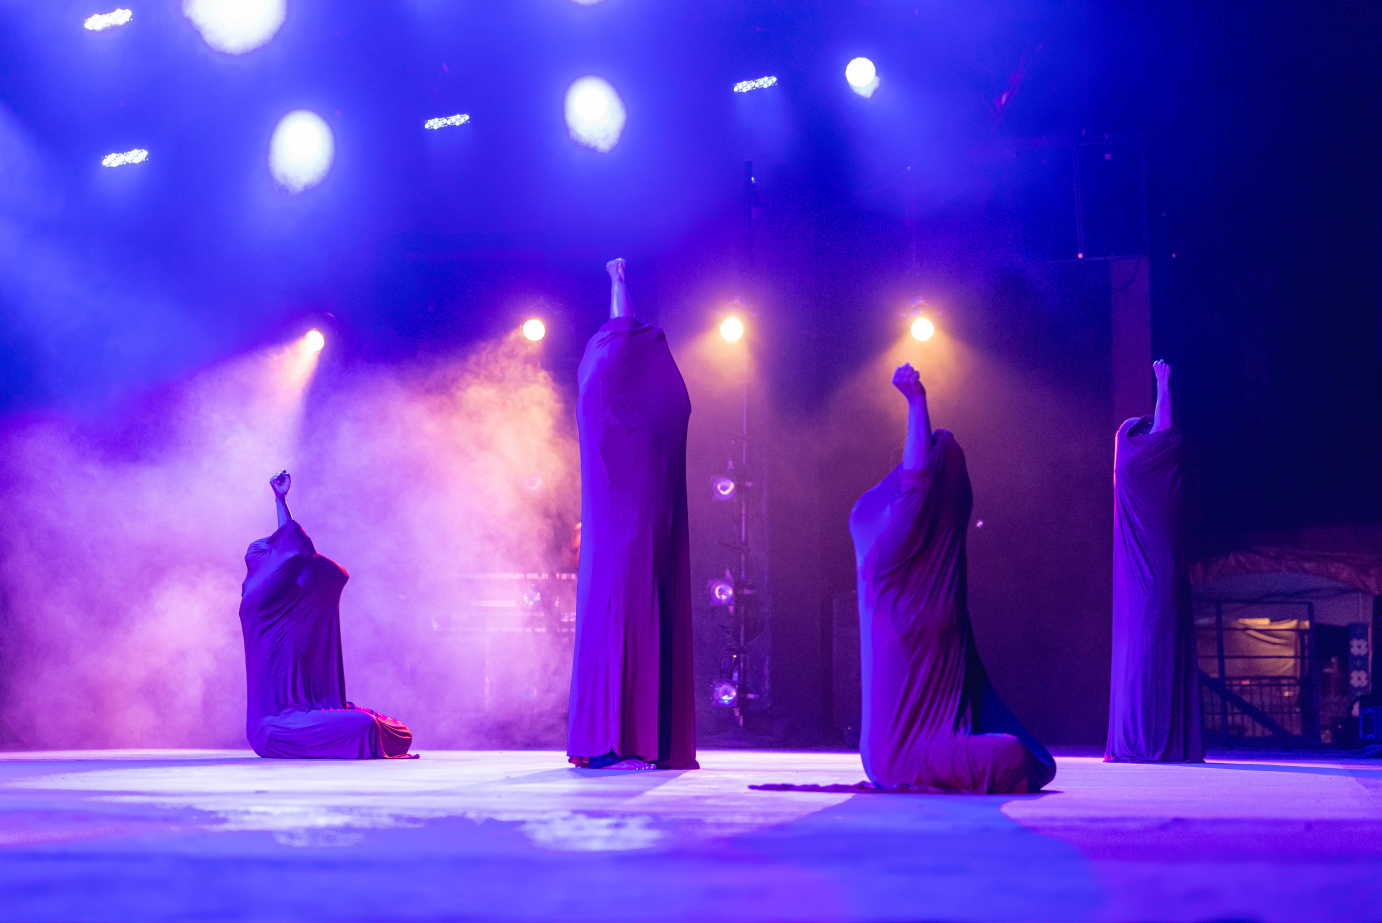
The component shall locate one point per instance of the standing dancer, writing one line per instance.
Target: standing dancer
(631, 684)
(1154, 701)
(931, 718)
(290, 614)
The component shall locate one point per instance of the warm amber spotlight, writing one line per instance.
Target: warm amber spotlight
(534, 329)
(314, 341)
(732, 328)
(923, 329)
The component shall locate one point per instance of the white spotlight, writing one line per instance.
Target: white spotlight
(743, 86)
(103, 21)
(138, 155)
(862, 76)
(236, 26)
(449, 120)
(534, 329)
(923, 329)
(732, 328)
(301, 150)
(594, 114)
(314, 341)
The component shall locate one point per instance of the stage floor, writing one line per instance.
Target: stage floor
(485, 835)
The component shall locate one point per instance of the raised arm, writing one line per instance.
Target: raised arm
(619, 305)
(907, 380)
(1161, 417)
(280, 483)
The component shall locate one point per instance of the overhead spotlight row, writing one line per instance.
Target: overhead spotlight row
(731, 328)
(732, 325)
(302, 147)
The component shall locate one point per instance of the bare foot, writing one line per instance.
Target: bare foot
(633, 763)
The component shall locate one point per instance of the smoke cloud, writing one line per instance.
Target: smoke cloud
(122, 563)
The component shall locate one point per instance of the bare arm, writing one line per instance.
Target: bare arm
(619, 305)
(907, 380)
(281, 482)
(1161, 417)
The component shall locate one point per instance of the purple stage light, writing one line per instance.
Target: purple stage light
(743, 86)
(103, 21)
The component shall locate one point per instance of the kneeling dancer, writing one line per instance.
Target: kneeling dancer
(290, 615)
(931, 719)
(631, 683)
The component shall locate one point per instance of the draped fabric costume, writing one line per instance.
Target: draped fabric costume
(631, 684)
(290, 616)
(931, 718)
(1154, 702)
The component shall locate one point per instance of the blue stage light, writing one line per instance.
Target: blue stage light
(726, 693)
(862, 76)
(138, 155)
(301, 150)
(594, 114)
(236, 26)
(449, 120)
(103, 21)
(743, 86)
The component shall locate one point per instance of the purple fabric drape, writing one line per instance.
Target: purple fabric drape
(931, 718)
(631, 684)
(290, 616)
(1154, 700)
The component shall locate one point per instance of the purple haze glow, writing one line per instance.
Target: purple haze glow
(122, 561)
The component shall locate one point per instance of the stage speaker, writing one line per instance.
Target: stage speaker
(1084, 201)
(1110, 187)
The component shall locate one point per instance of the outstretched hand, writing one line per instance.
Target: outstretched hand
(280, 483)
(908, 380)
(615, 268)
(1162, 372)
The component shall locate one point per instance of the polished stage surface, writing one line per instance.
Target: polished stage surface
(491, 835)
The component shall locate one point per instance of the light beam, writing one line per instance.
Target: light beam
(449, 120)
(743, 86)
